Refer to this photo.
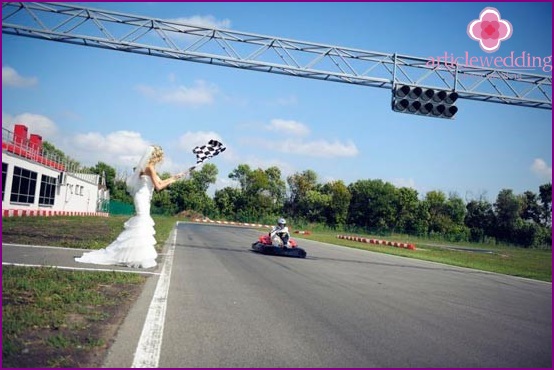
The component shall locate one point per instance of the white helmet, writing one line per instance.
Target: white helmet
(281, 222)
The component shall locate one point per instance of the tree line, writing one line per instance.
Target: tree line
(368, 205)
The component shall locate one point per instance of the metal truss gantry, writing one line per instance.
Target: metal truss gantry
(68, 23)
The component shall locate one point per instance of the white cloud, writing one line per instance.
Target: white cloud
(284, 101)
(119, 148)
(404, 183)
(288, 127)
(36, 124)
(201, 93)
(208, 21)
(284, 142)
(541, 169)
(10, 77)
(256, 162)
(318, 148)
(117, 142)
(189, 140)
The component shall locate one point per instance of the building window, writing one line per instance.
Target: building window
(24, 184)
(47, 191)
(4, 177)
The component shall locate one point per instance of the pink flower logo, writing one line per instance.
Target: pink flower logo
(489, 29)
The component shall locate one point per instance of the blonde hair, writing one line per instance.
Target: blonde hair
(157, 155)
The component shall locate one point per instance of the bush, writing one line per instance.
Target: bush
(457, 233)
(528, 234)
(476, 235)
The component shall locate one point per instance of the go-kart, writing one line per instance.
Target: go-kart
(264, 246)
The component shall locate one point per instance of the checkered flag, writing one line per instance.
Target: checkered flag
(207, 151)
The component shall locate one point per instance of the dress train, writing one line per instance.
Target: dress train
(135, 246)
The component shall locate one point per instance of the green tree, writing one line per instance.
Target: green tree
(277, 188)
(316, 203)
(261, 193)
(120, 192)
(336, 212)
(203, 178)
(108, 171)
(241, 175)
(299, 185)
(406, 207)
(480, 219)
(545, 195)
(162, 203)
(227, 202)
(420, 223)
(184, 195)
(116, 186)
(439, 220)
(50, 150)
(190, 194)
(527, 234)
(455, 210)
(507, 209)
(372, 205)
(530, 208)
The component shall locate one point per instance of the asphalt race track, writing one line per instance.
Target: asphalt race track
(339, 307)
(227, 306)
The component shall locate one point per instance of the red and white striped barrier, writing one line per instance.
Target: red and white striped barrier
(229, 223)
(48, 213)
(378, 241)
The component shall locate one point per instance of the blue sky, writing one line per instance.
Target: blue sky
(100, 105)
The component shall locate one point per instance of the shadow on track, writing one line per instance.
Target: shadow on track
(327, 259)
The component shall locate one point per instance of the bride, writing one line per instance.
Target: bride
(135, 246)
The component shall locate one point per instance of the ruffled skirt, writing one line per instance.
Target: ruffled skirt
(134, 247)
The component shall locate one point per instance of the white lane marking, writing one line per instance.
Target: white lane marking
(147, 354)
(80, 268)
(42, 247)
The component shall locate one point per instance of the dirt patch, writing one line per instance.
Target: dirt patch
(192, 215)
(59, 232)
(82, 341)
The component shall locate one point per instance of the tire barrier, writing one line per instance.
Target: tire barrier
(45, 213)
(207, 220)
(378, 242)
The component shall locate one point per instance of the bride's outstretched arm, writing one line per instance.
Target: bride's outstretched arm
(160, 184)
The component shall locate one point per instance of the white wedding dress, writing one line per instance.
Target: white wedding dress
(135, 246)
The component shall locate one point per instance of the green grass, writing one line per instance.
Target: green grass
(530, 263)
(75, 232)
(164, 225)
(49, 314)
(72, 232)
(57, 318)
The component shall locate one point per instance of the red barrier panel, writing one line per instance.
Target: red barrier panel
(20, 135)
(378, 242)
(48, 213)
(35, 143)
(33, 155)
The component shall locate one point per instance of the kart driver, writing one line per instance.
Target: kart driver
(280, 233)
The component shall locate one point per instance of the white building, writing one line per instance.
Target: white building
(38, 184)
